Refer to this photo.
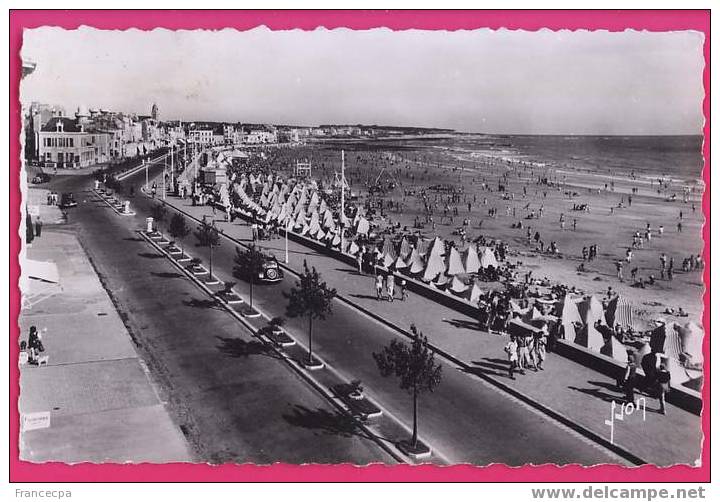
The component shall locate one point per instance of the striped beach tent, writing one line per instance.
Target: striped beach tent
(691, 340)
(471, 260)
(619, 311)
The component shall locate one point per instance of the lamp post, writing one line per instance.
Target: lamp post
(342, 204)
(287, 229)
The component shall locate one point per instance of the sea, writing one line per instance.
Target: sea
(668, 157)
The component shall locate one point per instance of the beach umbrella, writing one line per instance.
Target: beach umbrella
(567, 310)
(472, 260)
(363, 226)
(437, 246)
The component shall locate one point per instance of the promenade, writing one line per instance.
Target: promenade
(578, 393)
(101, 402)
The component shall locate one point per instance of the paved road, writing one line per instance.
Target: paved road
(465, 419)
(234, 402)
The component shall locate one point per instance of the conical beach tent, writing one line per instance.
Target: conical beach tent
(455, 265)
(472, 260)
(619, 311)
(591, 338)
(591, 311)
(487, 259)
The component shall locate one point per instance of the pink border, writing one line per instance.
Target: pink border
(278, 20)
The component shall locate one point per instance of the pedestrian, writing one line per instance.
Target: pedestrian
(254, 227)
(359, 258)
(38, 226)
(403, 290)
(619, 269)
(379, 286)
(661, 229)
(670, 272)
(511, 349)
(627, 381)
(154, 189)
(523, 353)
(679, 227)
(540, 346)
(663, 384)
(391, 287)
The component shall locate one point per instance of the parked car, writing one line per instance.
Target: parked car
(41, 178)
(67, 199)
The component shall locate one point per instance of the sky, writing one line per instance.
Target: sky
(501, 82)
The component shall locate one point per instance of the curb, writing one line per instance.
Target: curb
(550, 412)
(293, 365)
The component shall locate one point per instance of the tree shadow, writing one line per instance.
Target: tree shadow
(166, 275)
(151, 255)
(463, 323)
(483, 370)
(133, 239)
(235, 347)
(332, 423)
(202, 304)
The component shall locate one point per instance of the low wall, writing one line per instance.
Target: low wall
(681, 397)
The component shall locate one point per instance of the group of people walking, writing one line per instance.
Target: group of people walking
(385, 288)
(527, 351)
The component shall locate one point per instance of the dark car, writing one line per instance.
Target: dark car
(271, 271)
(67, 199)
(41, 178)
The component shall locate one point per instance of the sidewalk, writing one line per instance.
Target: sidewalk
(570, 389)
(102, 405)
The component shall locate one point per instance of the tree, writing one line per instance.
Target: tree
(158, 212)
(310, 298)
(208, 236)
(179, 229)
(248, 264)
(415, 366)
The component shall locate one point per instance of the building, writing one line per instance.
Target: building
(66, 143)
(266, 134)
(202, 136)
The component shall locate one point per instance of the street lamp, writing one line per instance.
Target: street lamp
(287, 229)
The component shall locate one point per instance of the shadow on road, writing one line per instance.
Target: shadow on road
(202, 304)
(150, 255)
(350, 271)
(328, 422)
(235, 347)
(166, 275)
(133, 239)
(597, 393)
(463, 323)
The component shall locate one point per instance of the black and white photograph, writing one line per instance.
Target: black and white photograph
(343, 246)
